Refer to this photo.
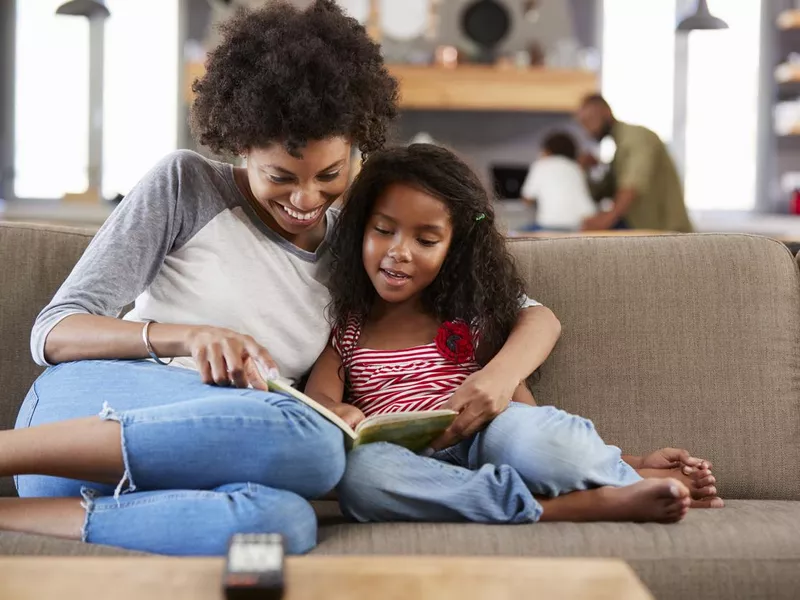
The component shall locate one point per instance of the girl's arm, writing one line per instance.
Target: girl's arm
(325, 385)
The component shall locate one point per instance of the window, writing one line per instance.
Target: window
(52, 95)
(141, 89)
(722, 82)
(51, 144)
(722, 110)
(639, 62)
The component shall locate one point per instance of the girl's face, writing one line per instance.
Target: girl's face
(295, 192)
(406, 242)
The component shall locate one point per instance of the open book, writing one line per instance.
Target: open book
(412, 430)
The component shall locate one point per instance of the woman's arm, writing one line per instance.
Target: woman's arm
(531, 341)
(160, 214)
(219, 353)
(87, 337)
(523, 395)
(485, 394)
(122, 260)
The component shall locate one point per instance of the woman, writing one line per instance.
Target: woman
(227, 266)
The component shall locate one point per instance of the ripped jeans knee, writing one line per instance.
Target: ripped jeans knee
(109, 414)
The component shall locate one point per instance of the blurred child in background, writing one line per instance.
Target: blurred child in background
(557, 185)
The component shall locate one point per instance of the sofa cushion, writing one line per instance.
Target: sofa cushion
(690, 341)
(750, 549)
(36, 260)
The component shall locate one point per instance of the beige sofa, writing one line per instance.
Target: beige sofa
(689, 341)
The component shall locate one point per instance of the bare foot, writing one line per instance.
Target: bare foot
(701, 484)
(657, 500)
(650, 500)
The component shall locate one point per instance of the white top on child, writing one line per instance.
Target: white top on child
(561, 192)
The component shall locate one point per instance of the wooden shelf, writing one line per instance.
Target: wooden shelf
(789, 19)
(491, 88)
(478, 88)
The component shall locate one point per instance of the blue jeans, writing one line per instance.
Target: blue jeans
(490, 478)
(201, 462)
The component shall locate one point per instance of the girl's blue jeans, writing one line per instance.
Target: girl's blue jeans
(201, 462)
(492, 477)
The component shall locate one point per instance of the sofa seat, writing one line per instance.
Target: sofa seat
(749, 549)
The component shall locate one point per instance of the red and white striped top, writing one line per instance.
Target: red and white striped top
(392, 381)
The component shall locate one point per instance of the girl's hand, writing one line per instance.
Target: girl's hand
(348, 413)
(225, 357)
(694, 472)
(482, 396)
(670, 458)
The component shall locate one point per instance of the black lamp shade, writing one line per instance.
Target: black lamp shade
(701, 19)
(486, 22)
(84, 8)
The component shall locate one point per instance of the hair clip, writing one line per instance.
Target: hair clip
(480, 217)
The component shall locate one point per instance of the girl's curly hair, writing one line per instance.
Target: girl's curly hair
(478, 282)
(289, 75)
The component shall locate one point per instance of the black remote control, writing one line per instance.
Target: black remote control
(254, 568)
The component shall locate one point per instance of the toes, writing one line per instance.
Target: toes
(677, 489)
(704, 481)
(703, 469)
(700, 474)
(706, 492)
(692, 461)
(708, 503)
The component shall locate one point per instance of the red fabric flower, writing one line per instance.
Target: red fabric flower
(454, 342)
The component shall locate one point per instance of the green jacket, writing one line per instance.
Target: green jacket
(642, 162)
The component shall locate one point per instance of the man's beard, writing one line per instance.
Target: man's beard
(605, 131)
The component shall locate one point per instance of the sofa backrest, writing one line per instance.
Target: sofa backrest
(684, 341)
(35, 260)
(690, 341)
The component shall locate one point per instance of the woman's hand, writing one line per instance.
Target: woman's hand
(482, 396)
(225, 357)
(348, 413)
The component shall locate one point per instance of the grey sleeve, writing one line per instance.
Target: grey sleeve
(125, 255)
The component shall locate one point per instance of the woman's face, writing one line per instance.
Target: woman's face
(294, 191)
(406, 241)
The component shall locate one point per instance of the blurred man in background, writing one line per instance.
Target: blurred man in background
(641, 180)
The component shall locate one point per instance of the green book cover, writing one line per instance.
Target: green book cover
(412, 430)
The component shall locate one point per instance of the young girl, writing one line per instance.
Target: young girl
(425, 294)
(558, 186)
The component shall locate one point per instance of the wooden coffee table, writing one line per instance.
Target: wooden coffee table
(323, 577)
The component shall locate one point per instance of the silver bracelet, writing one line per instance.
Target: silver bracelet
(149, 347)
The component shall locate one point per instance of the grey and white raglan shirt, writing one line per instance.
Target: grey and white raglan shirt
(187, 247)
